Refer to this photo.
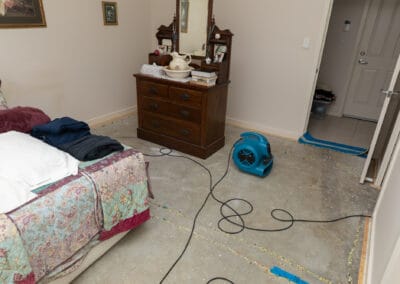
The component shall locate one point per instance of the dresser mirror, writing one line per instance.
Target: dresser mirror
(193, 21)
(194, 31)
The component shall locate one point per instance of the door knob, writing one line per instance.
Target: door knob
(362, 61)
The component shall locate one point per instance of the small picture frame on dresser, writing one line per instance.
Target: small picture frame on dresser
(220, 49)
(219, 53)
(219, 57)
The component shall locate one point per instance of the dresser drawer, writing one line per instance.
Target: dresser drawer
(173, 110)
(151, 89)
(178, 129)
(154, 105)
(185, 113)
(185, 96)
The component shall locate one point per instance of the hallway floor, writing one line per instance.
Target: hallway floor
(307, 181)
(344, 130)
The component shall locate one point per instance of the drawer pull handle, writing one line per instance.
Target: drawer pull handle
(155, 124)
(184, 113)
(154, 106)
(185, 97)
(185, 132)
(153, 90)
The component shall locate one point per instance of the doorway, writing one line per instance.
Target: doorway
(361, 48)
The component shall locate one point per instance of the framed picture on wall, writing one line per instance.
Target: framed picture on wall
(110, 15)
(21, 14)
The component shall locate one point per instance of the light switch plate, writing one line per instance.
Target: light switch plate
(306, 43)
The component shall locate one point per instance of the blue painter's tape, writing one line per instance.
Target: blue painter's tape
(289, 276)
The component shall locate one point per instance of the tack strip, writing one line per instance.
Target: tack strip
(364, 252)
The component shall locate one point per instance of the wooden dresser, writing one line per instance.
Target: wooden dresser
(181, 116)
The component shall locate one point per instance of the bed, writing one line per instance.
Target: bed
(71, 222)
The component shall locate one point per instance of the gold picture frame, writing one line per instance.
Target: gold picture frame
(22, 14)
(110, 13)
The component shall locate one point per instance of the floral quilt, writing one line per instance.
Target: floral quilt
(45, 233)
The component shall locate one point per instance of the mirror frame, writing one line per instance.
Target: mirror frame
(177, 23)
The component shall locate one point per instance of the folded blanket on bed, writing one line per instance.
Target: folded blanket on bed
(91, 147)
(21, 119)
(61, 131)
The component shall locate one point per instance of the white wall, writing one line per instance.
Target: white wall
(76, 66)
(336, 65)
(384, 253)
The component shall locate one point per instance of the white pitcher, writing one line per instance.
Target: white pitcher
(180, 62)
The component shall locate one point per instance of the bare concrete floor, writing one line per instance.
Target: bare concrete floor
(309, 182)
(344, 130)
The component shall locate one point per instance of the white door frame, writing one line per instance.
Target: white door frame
(318, 64)
(395, 133)
(393, 136)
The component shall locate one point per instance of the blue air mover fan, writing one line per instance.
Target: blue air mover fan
(252, 154)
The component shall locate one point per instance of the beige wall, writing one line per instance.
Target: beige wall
(336, 65)
(272, 75)
(76, 66)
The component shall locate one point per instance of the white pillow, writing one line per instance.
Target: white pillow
(31, 162)
(13, 195)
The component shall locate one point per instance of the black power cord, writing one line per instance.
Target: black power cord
(220, 278)
(168, 152)
(235, 214)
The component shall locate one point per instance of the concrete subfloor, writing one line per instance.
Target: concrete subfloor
(344, 130)
(309, 182)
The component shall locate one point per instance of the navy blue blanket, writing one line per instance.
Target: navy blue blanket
(61, 131)
(91, 147)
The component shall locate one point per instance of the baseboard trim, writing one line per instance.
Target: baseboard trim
(264, 130)
(112, 116)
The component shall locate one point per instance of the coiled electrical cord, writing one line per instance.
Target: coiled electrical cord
(235, 214)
